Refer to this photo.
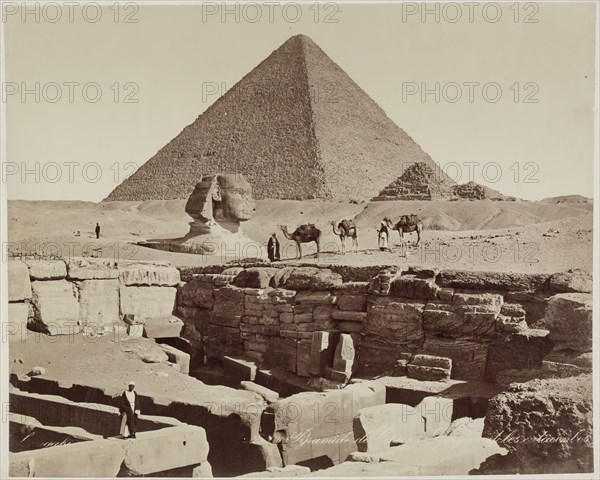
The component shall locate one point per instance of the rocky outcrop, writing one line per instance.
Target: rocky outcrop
(569, 319)
(546, 425)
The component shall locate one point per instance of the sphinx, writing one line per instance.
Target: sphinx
(218, 206)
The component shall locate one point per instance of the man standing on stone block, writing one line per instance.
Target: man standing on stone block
(130, 409)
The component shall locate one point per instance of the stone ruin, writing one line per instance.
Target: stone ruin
(345, 370)
(218, 205)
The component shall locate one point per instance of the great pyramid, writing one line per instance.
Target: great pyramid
(296, 126)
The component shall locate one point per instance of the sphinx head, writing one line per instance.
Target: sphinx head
(222, 197)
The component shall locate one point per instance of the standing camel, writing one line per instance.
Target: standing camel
(407, 223)
(304, 234)
(343, 229)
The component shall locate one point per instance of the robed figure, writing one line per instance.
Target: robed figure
(273, 248)
(130, 409)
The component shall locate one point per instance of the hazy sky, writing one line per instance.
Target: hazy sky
(539, 57)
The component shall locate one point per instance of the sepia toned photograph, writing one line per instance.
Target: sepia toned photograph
(299, 239)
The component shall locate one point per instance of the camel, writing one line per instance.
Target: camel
(343, 229)
(407, 223)
(304, 234)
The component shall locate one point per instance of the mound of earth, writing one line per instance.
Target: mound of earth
(568, 199)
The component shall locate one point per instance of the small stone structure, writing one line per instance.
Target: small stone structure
(218, 205)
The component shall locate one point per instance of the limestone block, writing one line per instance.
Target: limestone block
(492, 300)
(376, 427)
(420, 372)
(469, 358)
(46, 269)
(147, 302)
(307, 278)
(437, 414)
(432, 361)
(19, 285)
(204, 470)
(163, 327)
(315, 298)
(408, 286)
(348, 316)
(282, 352)
(350, 327)
(281, 296)
(228, 308)
(320, 353)
(56, 310)
(268, 394)
(239, 370)
(571, 281)
(19, 314)
(99, 302)
(461, 321)
(177, 356)
(569, 319)
(91, 269)
(518, 351)
(395, 322)
(148, 274)
(382, 283)
(255, 277)
(323, 313)
(344, 358)
(195, 293)
(303, 358)
(355, 303)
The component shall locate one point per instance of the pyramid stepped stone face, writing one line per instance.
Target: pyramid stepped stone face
(297, 127)
(419, 182)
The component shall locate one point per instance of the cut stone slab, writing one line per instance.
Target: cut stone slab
(420, 372)
(306, 278)
(343, 358)
(91, 269)
(56, 310)
(469, 358)
(571, 281)
(147, 274)
(408, 286)
(569, 320)
(255, 277)
(99, 302)
(268, 394)
(19, 285)
(147, 302)
(177, 356)
(164, 327)
(320, 353)
(239, 370)
(46, 269)
(19, 314)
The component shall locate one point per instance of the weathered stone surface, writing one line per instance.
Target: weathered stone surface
(518, 351)
(569, 319)
(492, 300)
(395, 322)
(466, 321)
(343, 358)
(355, 303)
(163, 327)
(505, 282)
(56, 310)
(420, 372)
(350, 327)
(255, 277)
(19, 314)
(348, 316)
(303, 358)
(315, 298)
(46, 269)
(147, 302)
(99, 302)
(382, 283)
(91, 269)
(376, 427)
(147, 351)
(282, 352)
(409, 286)
(268, 394)
(353, 287)
(469, 358)
(320, 353)
(148, 274)
(177, 356)
(307, 278)
(431, 361)
(546, 425)
(19, 285)
(195, 293)
(239, 370)
(228, 308)
(571, 281)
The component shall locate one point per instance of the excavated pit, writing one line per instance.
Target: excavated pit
(338, 371)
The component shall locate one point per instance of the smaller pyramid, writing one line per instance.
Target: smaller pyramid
(419, 182)
(475, 191)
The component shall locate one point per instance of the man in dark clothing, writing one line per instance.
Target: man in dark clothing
(273, 248)
(130, 409)
(97, 231)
